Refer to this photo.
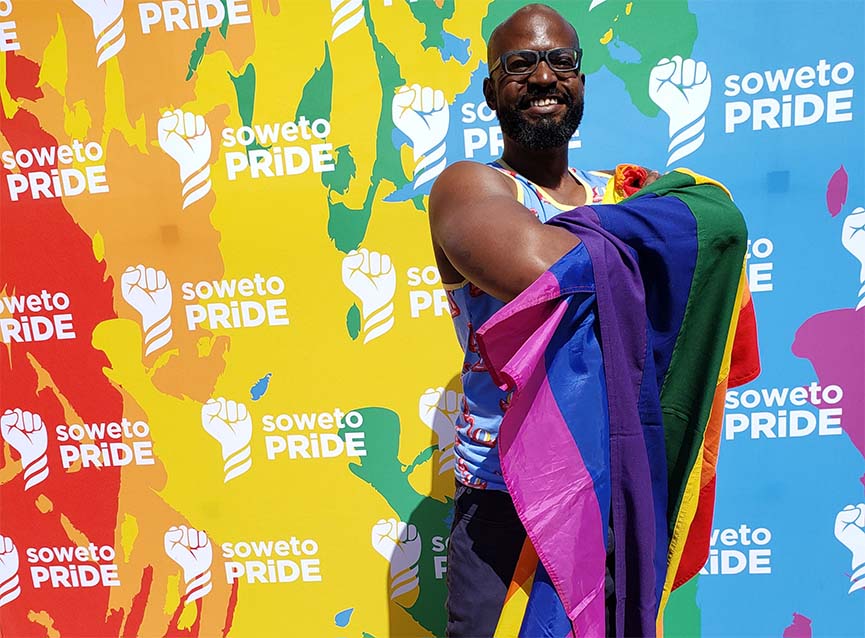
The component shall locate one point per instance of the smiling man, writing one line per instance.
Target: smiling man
(491, 243)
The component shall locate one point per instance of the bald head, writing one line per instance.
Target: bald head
(532, 22)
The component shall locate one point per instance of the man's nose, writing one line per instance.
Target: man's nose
(543, 75)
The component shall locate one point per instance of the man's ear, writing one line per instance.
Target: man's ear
(490, 93)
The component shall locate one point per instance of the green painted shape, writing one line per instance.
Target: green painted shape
(383, 471)
(244, 87)
(346, 226)
(639, 30)
(244, 90)
(201, 44)
(223, 28)
(388, 164)
(343, 172)
(683, 618)
(197, 54)
(420, 459)
(432, 17)
(352, 321)
(316, 99)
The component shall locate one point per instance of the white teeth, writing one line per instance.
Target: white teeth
(547, 101)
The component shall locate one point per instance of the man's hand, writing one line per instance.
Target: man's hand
(630, 178)
(652, 176)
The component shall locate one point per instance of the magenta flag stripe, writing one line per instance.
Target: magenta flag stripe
(563, 493)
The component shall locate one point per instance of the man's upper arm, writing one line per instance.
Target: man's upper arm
(489, 237)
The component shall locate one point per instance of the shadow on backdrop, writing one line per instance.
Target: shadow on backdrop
(412, 542)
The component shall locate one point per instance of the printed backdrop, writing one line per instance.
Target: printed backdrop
(229, 376)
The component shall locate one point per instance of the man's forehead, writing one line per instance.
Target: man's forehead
(542, 28)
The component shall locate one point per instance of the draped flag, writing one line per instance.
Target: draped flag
(619, 357)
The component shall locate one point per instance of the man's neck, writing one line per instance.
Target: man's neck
(547, 168)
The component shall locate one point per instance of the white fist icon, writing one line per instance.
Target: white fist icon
(186, 138)
(438, 409)
(26, 433)
(229, 423)
(400, 544)
(850, 530)
(9, 585)
(422, 114)
(371, 277)
(347, 14)
(853, 239)
(107, 26)
(192, 550)
(682, 89)
(149, 292)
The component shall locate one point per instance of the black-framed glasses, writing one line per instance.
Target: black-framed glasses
(525, 61)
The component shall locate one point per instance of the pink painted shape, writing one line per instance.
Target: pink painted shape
(801, 627)
(834, 343)
(836, 192)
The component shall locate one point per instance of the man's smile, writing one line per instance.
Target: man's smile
(545, 107)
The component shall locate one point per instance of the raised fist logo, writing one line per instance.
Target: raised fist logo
(422, 114)
(850, 530)
(107, 26)
(371, 277)
(149, 292)
(26, 433)
(438, 409)
(186, 138)
(347, 14)
(9, 587)
(192, 550)
(400, 544)
(682, 89)
(853, 239)
(229, 423)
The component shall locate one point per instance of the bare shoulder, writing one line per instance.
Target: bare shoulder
(464, 182)
(481, 233)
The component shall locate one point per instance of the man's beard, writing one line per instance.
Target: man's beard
(543, 133)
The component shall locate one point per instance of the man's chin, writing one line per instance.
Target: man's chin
(538, 131)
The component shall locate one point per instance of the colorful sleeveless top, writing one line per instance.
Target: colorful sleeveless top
(477, 427)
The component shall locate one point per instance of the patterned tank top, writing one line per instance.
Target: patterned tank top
(484, 404)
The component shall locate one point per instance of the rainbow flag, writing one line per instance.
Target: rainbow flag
(619, 358)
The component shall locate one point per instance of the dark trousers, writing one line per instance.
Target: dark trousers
(485, 543)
